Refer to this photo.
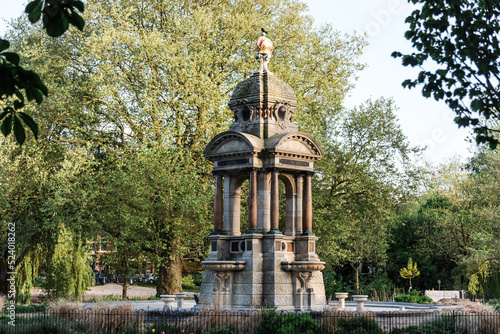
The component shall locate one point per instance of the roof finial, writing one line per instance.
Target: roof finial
(264, 47)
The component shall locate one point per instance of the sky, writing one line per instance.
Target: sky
(424, 121)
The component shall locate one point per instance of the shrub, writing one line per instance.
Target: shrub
(422, 329)
(273, 322)
(37, 325)
(224, 330)
(162, 327)
(188, 283)
(358, 325)
(413, 297)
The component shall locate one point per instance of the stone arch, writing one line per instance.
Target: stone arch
(290, 200)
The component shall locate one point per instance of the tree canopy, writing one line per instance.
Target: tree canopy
(457, 48)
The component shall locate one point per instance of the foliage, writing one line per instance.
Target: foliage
(282, 323)
(150, 80)
(359, 325)
(421, 329)
(495, 303)
(57, 16)
(223, 330)
(410, 270)
(47, 193)
(413, 297)
(36, 325)
(365, 167)
(30, 308)
(454, 231)
(189, 283)
(461, 37)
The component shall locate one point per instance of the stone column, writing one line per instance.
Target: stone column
(218, 205)
(234, 226)
(264, 202)
(275, 203)
(307, 205)
(298, 205)
(252, 202)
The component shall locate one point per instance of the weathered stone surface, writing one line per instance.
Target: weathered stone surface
(263, 266)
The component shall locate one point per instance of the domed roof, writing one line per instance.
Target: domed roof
(263, 87)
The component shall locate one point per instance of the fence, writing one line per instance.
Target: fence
(121, 321)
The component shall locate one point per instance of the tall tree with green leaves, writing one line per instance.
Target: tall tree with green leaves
(47, 193)
(461, 37)
(156, 75)
(366, 170)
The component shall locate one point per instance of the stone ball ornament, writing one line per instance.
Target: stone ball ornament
(264, 45)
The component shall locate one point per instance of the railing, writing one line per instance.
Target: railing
(119, 320)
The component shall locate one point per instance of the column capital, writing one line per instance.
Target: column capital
(217, 173)
(311, 174)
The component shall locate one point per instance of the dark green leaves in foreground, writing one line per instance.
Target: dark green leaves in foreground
(13, 81)
(57, 15)
(11, 122)
(463, 39)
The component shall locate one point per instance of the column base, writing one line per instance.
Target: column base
(308, 232)
(274, 231)
(216, 232)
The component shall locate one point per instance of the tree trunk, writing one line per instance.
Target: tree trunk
(170, 277)
(356, 276)
(4, 286)
(125, 288)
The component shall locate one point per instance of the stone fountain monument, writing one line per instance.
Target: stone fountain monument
(263, 267)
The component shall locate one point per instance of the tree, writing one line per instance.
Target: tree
(462, 39)
(410, 271)
(57, 16)
(154, 76)
(365, 171)
(48, 194)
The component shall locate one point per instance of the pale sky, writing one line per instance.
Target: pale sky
(424, 121)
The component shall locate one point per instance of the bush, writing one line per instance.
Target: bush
(422, 329)
(413, 297)
(161, 327)
(31, 308)
(224, 330)
(273, 322)
(495, 303)
(37, 325)
(358, 325)
(188, 283)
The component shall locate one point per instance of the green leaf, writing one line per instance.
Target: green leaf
(4, 44)
(29, 7)
(11, 57)
(57, 25)
(6, 126)
(79, 5)
(77, 21)
(19, 132)
(28, 120)
(3, 114)
(34, 10)
(18, 105)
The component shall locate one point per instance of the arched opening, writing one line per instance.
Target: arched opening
(281, 114)
(245, 114)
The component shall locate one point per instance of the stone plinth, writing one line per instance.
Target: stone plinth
(341, 296)
(360, 300)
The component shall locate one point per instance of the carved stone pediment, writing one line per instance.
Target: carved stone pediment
(294, 143)
(233, 143)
